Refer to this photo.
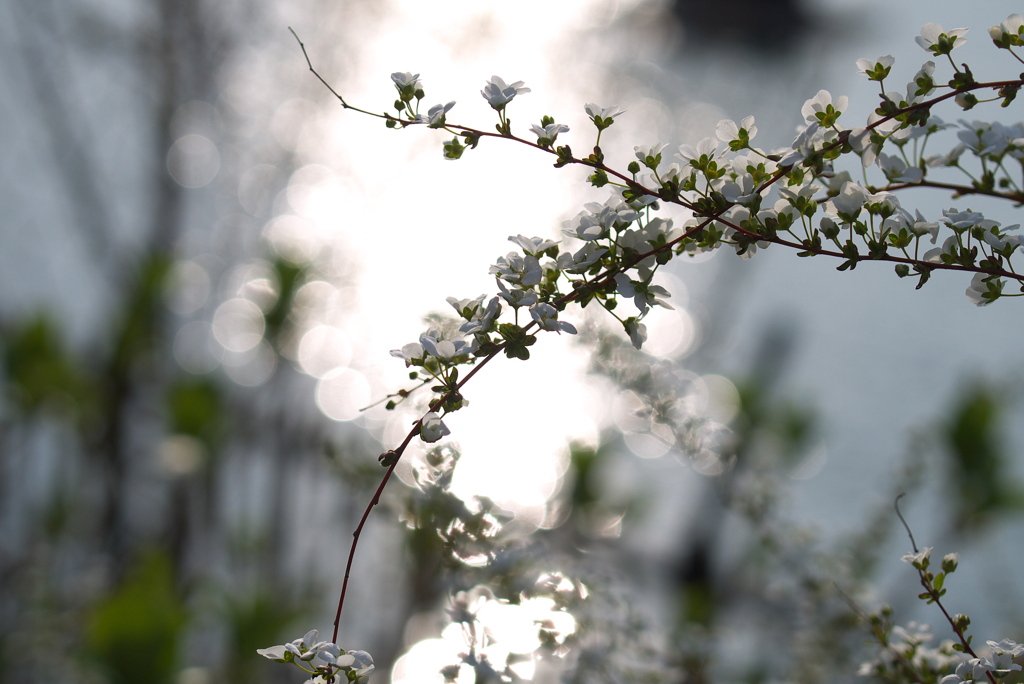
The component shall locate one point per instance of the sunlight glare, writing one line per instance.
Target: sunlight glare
(341, 393)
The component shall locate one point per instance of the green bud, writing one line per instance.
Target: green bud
(950, 561)
(453, 149)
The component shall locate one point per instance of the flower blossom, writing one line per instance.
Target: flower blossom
(482, 319)
(534, 247)
(919, 559)
(848, 203)
(517, 269)
(498, 93)
(603, 117)
(546, 135)
(598, 219)
(984, 289)
(727, 131)
(412, 353)
(547, 318)
(405, 79)
(637, 332)
(897, 170)
(1008, 32)
(517, 298)
(876, 69)
(434, 118)
(445, 350)
(650, 155)
(644, 295)
(1004, 652)
(820, 109)
(708, 147)
(939, 42)
(432, 428)
(582, 260)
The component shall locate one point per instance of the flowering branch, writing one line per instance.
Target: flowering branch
(725, 192)
(992, 668)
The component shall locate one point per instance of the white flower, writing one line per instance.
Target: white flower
(498, 93)
(467, 308)
(637, 332)
(939, 42)
(444, 350)
(650, 155)
(962, 220)
(740, 191)
(794, 199)
(1003, 654)
(984, 288)
(434, 118)
(362, 663)
(598, 219)
(1009, 32)
(727, 130)
(275, 653)
(546, 135)
(517, 269)
(820, 109)
(803, 144)
(923, 83)
(331, 654)
(849, 201)
(483, 319)
(860, 141)
(877, 65)
(412, 353)
(920, 227)
(897, 171)
(919, 559)
(603, 117)
(606, 113)
(644, 295)
(984, 138)
(707, 147)
(406, 80)
(304, 649)
(532, 246)
(547, 318)
(582, 260)
(515, 297)
(432, 428)
(951, 158)
(948, 246)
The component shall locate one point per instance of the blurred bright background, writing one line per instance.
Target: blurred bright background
(206, 261)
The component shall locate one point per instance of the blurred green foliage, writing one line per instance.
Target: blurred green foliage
(134, 633)
(974, 439)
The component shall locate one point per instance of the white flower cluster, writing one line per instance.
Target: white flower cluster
(746, 197)
(997, 663)
(322, 659)
(907, 655)
(751, 198)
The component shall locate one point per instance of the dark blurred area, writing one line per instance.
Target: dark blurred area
(767, 26)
